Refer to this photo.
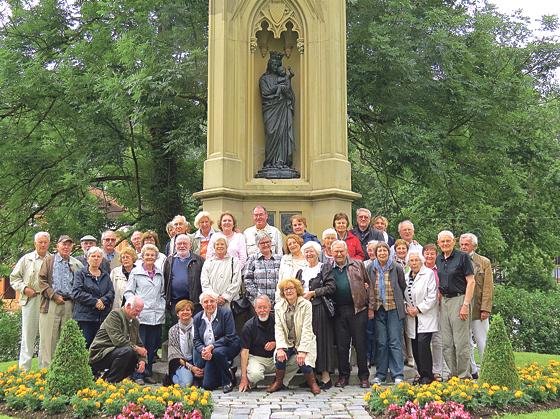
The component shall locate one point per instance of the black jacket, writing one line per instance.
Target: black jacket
(194, 268)
(87, 291)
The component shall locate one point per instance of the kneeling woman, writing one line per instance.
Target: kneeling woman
(293, 331)
(180, 353)
(215, 343)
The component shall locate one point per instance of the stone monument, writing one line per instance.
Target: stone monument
(302, 168)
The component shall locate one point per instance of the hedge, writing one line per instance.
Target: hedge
(532, 319)
(10, 334)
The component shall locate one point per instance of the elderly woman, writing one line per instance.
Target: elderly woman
(151, 237)
(93, 295)
(146, 281)
(181, 345)
(293, 259)
(120, 274)
(401, 250)
(422, 314)
(370, 331)
(319, 287)
(293, 331)
(329, 237)
(341, 224)
(299, 225)
(261, 271)
(221, 273)
(215, 342)
(381, 223)
(237, 247)
(370, 248)
(170, 229)
(201, 237)
(389, 283)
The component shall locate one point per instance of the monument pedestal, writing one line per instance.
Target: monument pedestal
(312, 36)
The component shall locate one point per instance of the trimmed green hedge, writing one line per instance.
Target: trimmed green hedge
(532, 319)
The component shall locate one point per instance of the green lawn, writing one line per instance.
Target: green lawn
(544, 414)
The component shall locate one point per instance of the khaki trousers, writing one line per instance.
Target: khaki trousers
(257, 367)
(29, 331)
(456, 334)
(50, 326)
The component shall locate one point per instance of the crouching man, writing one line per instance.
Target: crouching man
(257, 345)
(117, 347)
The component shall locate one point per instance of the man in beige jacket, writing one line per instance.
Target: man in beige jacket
(25, 279)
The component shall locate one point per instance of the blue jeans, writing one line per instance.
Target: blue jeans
(183, 377)
(388, 329)
(216, 370)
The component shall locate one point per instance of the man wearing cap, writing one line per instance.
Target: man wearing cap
(56, 279)
(25, 279)
(86, 242)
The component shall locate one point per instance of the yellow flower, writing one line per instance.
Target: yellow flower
(366, 397)
(97, 404)
(169, 402)
(385, 401)
(490, 392)
(485, 385)
(41, 397)
(194, 396)
(166, 395)
(190, 402)
(463, 394)
(140, 400)
(495, 388)
(204, 402)
(518, 394)
(542, 388)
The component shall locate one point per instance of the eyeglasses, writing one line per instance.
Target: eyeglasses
(109, 240)
(265, 243)
(289, 289)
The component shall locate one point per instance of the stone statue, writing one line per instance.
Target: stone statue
(278, 102)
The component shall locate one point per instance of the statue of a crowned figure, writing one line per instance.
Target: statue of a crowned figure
(278, 103)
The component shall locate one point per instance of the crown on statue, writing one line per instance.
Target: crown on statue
(276, 55)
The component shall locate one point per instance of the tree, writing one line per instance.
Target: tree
(454, 113)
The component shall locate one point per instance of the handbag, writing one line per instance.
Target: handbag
(242, 304)
(329, 303)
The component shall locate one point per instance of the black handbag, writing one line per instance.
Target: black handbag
(242, 304)
(329, 303)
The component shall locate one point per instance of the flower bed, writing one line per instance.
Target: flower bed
(22, 390)
(538, 384)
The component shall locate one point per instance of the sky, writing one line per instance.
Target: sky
(531, 8)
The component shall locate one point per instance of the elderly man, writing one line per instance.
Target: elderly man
(456, 285)
(56, 279)
(406, 231)
(117, 348)
(260, 217)
(181, 226)
(483, 293)
(110, 255)
(85, 243)
(355, 301)
(257, 345)
(181, 274)
(136, 240)
(262, 270)
(25, 279)
(364, 231)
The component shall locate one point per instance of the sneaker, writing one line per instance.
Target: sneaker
(377, 381)
(398, 381)
(139, 381)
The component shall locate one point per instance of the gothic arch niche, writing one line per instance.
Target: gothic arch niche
(276, 26)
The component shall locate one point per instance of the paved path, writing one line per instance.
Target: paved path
(334, 403)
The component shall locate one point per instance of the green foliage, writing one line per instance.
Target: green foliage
(10, 333)
(69, 370)
(55, 405)
(498, 365)
(454, 123)
(82, 408)
(532, 318)
(155, 407)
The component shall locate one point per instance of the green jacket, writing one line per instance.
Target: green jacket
(115, 332)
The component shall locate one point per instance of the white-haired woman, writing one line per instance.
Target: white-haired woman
(93, 295)
(146, 281)
(319, 287)
(221, 273)
(422, 313)
(201, 237)
(120, 274)
(215, 343)
(329, 237)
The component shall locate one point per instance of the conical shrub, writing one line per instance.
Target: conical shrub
(498, 363)
(69, 370)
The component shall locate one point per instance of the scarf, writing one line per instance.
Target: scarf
(376, 266)
(187, 343)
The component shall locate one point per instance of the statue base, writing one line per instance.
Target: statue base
(278, 173)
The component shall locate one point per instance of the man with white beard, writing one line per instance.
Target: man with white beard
(258, 345)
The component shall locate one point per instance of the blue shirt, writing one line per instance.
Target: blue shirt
(180, 285)
(63, 277)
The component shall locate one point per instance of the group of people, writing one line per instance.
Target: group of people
(394, 301)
